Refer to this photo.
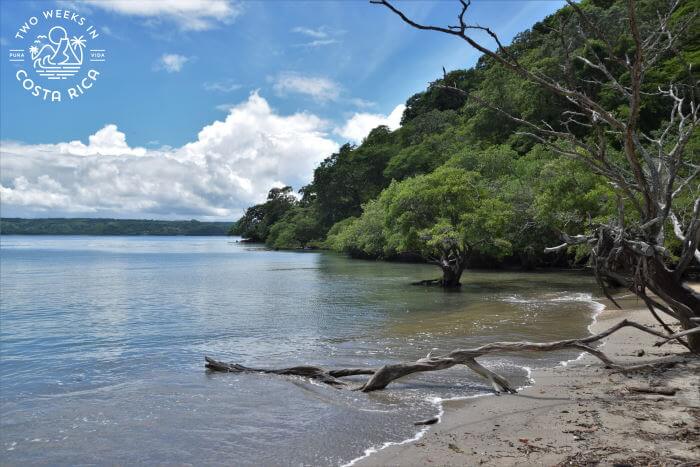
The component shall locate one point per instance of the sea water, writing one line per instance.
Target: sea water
(102, 344)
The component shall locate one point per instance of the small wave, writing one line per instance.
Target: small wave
(372, 450)
(551, 298)
(575, 297)
(597, 310)
(369, 451)
(438, 401)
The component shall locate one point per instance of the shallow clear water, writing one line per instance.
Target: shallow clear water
(102, 342)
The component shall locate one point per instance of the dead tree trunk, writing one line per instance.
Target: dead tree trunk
(380, 378)
(640, 267)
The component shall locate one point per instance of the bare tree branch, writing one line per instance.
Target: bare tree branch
(380, 378)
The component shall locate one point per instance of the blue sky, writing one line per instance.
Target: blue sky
(174, 70)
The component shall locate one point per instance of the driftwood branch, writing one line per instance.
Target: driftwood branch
(663, 390)
(380, 378)
(677, 335)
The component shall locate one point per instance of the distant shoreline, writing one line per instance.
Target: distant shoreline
(108, 226)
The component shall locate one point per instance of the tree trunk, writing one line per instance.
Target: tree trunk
(643, 270)
(681, 299)
(451, 274)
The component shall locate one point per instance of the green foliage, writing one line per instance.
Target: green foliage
(363, 237)
(351, 177)
(421, 158)
(298, 228)
(59, 226)
(258, 220)
(459, 174)
(493, 163)
(437, 98)
(427, 213)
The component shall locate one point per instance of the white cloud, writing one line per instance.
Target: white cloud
(225, 107)
(318, 43)
(108, 141)
(191, 15)
(109, 32)
(319, 88)
(222, 86)
(231, 165)
(320, 36)
(319, 33)
(362, 103)
(172, 63)
(360, 124)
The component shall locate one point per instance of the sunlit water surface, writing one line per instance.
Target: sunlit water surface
(102, 342)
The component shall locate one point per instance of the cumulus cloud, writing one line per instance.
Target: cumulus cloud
(108, 141)
(189, 15)
(172, 63)
(318, 88)
(231, 165)
(360, 124)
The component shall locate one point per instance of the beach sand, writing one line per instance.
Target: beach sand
(576, 414)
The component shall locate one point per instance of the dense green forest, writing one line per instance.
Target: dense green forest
(59, 226)
(459, 174)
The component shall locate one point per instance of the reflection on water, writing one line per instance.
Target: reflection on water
(102, 342)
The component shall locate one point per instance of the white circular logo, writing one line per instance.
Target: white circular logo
(57, 55)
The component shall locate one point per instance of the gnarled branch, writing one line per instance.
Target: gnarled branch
(380, 378)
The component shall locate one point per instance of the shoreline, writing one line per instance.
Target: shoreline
(574, 412)
(440, 402)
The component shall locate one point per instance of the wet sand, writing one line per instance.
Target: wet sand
(575, 414)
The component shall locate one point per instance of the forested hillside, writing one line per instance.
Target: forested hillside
(59, 226)
(460, 174)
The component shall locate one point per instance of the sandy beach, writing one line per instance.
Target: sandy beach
(576, 414)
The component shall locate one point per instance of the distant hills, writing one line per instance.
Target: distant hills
(63, 226)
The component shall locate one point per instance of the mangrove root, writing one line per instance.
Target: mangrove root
(428, 282)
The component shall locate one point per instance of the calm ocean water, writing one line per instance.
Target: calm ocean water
(102, 342)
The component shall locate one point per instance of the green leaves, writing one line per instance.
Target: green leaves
(459, 177)
(258, 220)
(448, 210)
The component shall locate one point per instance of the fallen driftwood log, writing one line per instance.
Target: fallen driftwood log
(379, 378)
(663, 390)
(429, 421)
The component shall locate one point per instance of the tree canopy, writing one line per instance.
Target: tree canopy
(463, 176)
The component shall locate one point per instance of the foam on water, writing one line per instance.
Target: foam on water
(439, 402)
(598, 308)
